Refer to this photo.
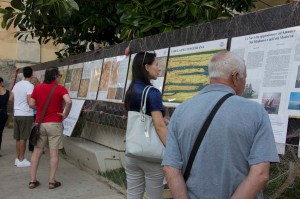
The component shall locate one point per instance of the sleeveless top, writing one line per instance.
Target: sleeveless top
(4, 100)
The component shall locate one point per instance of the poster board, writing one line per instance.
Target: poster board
(73, 79)
(113, 78)
(70, 122)
(161, 57)
(40, 75)
(273, 61)
(187, 71)
(90, 80)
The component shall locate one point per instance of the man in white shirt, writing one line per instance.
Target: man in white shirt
(23, 116)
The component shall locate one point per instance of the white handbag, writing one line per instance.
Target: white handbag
(142, 141)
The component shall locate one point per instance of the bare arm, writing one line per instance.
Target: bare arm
(32, 103)
(176, 182)
(28, 99)
(68, 103)
(11, 97)
(254, 182)
(160, 125)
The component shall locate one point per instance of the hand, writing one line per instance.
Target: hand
(63, 115)
(167, 121)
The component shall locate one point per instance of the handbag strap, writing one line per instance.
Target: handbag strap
(46, 105)
(144, 99)
(202, 134)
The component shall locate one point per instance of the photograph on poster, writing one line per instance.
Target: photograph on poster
(63, 71)
(293, 131)
(252, 88)
(95, 79)
(83, 88)
(105, 75)
(76, 77)
(187, 71)
(271, 102)
(69, 76)
(294, 103)
(297, 83)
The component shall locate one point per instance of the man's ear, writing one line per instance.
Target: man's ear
(235, 78)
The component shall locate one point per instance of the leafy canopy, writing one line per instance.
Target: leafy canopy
(107, 22)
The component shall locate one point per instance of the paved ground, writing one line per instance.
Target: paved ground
(76, 183)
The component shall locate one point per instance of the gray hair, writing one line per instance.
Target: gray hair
(224, 63)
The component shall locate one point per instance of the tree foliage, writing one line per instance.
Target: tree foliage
(77, 22)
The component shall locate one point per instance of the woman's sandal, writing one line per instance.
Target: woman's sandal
(33, 185)
(55, 184)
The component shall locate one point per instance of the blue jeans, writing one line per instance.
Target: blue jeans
(143, 176)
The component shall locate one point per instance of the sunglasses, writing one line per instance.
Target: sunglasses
(144, 57)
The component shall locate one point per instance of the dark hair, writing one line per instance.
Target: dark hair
(27, 72)
(1, 79)
(139, 72)
(51, 74)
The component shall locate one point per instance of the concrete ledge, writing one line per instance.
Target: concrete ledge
(93, 155)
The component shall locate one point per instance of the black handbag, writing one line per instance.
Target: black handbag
(35, 130)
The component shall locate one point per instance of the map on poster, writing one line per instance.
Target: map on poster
(112, 86)
(161, 57)
(273, 75)
(63, 70)
(187, 71)
(73, 79)
(70, 122)
(90, 79)
(39, 74)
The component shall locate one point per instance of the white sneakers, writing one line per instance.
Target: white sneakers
(16, 161)
(23, 163)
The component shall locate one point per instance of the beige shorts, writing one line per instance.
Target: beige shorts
(51, 135)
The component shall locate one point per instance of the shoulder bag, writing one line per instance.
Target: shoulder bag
(142, 140)
(35, 130)
(202, 134)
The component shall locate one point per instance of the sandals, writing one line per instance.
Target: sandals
(33, 185)
(55, 184)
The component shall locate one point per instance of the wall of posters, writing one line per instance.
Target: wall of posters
(187, 71)
(70, 122)
(63, 70)
(113, 78)
(73, 79)
(273, 60)
(90, 79)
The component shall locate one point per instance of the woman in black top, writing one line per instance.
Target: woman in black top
(4, 96)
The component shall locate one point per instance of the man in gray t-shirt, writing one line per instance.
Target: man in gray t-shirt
(234, 157)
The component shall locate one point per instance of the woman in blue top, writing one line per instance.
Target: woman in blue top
(142, 175)
(4, 96)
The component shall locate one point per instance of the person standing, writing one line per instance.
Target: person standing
(233, 160)
(23, 116)
(35, 81)
(4, 97)
(51, 128)
(143, 175)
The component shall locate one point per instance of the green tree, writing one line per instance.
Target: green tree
(77, 22)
